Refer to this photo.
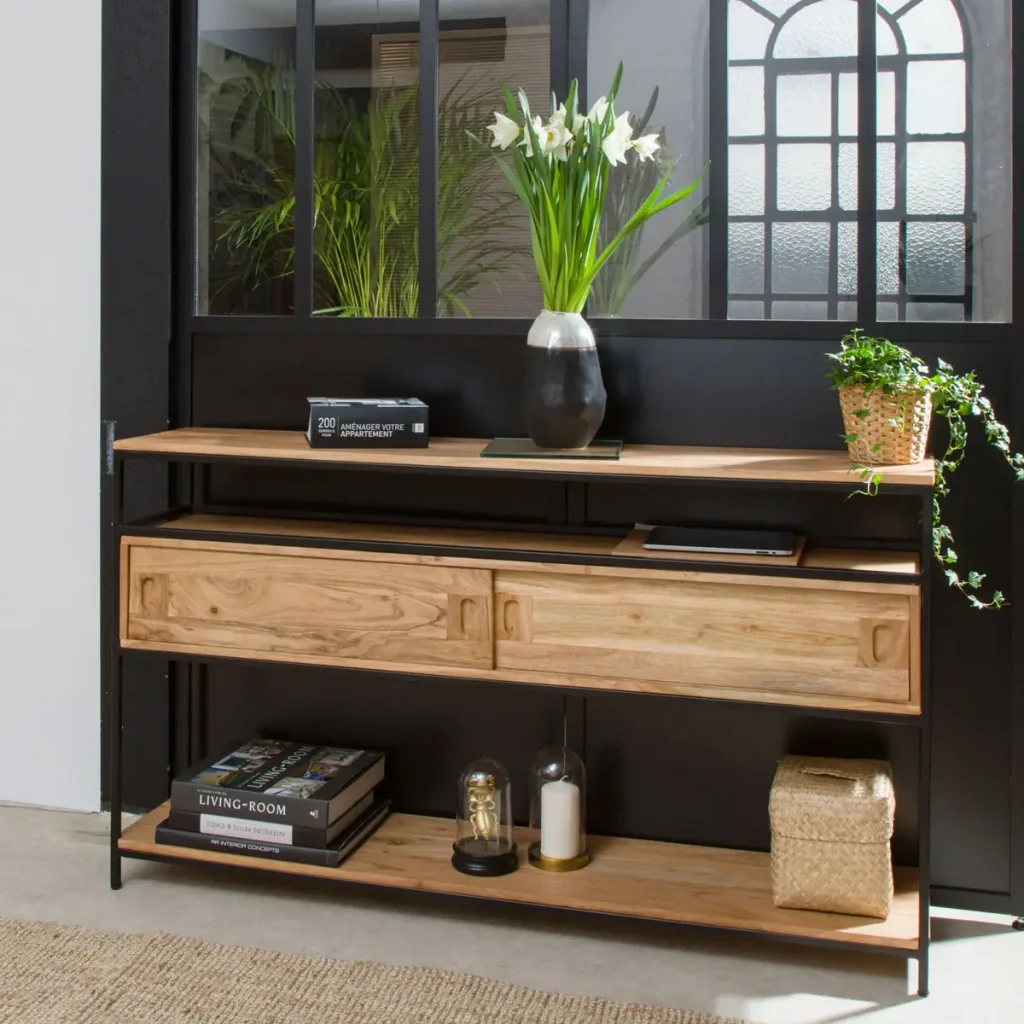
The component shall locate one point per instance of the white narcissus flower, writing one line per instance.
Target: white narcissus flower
(538, 130)
(577, 123)
(598, 110)
(553, 137)
(504, 129)
(646, 146)
(616, 142)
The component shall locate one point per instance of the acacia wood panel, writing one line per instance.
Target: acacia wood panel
(767, 464)
(256, 601)
(774, 638)
(639, 878)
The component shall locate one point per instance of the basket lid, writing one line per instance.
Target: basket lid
(833, 799)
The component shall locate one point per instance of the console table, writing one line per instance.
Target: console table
(844, 632)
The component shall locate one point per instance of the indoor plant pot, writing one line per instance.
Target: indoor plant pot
(894, 431)
(560, 172)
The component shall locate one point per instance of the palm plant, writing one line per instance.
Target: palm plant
(366, 196)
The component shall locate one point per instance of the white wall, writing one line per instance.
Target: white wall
(50, 402)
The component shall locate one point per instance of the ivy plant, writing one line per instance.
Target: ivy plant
(876, 364)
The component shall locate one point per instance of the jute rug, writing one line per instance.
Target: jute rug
(59, 974)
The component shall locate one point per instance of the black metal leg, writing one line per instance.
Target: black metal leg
(116, 669)
(1018, 925)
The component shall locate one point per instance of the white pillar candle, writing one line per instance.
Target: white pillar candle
(560, 820)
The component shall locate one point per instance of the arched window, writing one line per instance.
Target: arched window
(793, 131)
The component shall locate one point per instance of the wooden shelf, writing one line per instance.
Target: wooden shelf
(660, 881)
(582, 546)
(746, 464)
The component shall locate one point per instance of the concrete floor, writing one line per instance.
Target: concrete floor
(53, 866)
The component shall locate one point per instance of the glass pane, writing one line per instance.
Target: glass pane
(888, 282)
(989, 155)
(848, 311)
(662, 269)
(849, 104)
(742, 310)
(366, 262)
(777, 6)
(746, 180)
(746, 101)
(800, 258)
(827, 28)
(749, 31)
(484, 257)
(805, 176)
(789, 310)
(935, 259)
(804, 105)
(847, 259)
(933, 26)
(936, 97)
(246, 158)
(886, 180)
(746, 259)
(925, 311)
(936, 177)
(888, 311)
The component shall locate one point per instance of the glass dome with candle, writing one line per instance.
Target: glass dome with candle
(483, 825)
(558, 801)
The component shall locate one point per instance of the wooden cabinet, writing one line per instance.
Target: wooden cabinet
(303, 604)
(799, 640)
(755, 634)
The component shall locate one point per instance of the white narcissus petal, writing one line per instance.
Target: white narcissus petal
(615, 143)
(599, 109)
(538, 130)
(577, 123)
(504, 130)
(646, 146)
(553, 137)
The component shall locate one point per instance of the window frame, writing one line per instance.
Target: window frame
(569, 39)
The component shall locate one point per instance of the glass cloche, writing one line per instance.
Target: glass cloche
(483, 825)
(558, 803)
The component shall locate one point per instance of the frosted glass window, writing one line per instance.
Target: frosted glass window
(936, 97)
(847, 263)
(848, 311)
(936, 177)
(746, 180)
(777, 6)
(933, 26)
(805, 176)
(849, 104)
(935, 311)
(888, 282)
(804, 105)
(885, 182)
(745, 310)
(886, 103)
(827, 28)
(800, 254)
(935, 258)
(746, 258)
(789, 310)
(746, 101)
(749, 32)
(888, 311)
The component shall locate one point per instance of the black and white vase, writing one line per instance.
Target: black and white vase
(565, 397)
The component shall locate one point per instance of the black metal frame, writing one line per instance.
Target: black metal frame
(574, 701)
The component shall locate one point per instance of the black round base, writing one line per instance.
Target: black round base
(470, 862)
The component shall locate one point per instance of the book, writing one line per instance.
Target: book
(266, 831)
(368, 423)
(343, 846)
(277, 781)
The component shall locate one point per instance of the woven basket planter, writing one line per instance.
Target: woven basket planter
(831, 821)
(900, 445)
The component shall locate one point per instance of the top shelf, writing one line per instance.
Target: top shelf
(461, 454)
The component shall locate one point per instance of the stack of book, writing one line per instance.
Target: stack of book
(272, 798)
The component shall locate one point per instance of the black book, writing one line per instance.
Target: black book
(345, 845)
(277, 781)
(229, 827)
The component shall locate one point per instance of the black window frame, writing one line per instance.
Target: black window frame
(569, 39)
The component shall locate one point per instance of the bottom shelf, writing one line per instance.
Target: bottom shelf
(697, 885)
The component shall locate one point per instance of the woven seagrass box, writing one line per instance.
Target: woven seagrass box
(831, 821)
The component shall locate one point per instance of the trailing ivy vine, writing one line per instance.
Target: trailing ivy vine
(876, 364)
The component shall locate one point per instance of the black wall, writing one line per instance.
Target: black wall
(663, 768)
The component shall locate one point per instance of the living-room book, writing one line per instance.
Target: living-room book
(302, 784)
